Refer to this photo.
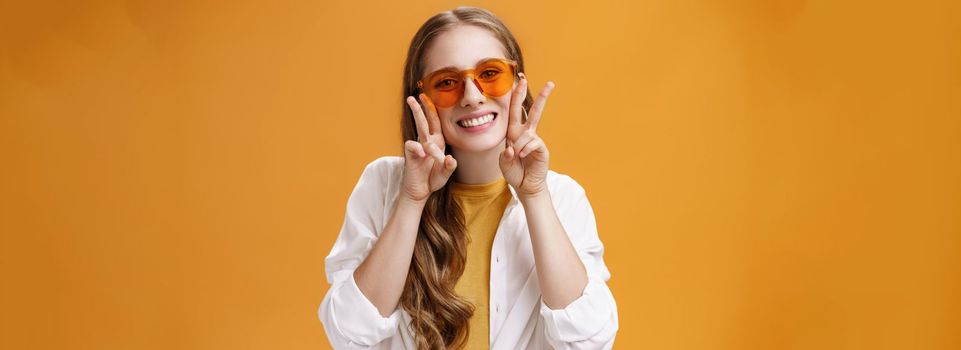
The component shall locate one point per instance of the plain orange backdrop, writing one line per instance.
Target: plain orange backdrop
(766, 174)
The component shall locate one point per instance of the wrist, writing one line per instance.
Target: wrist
(534, 196)
(407, 201)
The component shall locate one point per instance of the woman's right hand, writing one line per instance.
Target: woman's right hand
(426, 168)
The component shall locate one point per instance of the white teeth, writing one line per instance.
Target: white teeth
(477, 121)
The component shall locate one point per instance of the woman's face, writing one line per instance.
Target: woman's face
(463, 47)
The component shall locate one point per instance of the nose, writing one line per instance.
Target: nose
(472, 93)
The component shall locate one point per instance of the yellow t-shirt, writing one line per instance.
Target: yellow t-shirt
(483, 207)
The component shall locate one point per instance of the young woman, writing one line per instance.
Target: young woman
(468, 241)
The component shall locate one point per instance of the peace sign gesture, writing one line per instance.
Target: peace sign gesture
(524, 161)
(426, 168)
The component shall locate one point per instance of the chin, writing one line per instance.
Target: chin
(481, 143)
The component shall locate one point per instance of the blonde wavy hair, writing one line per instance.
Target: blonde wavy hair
(440, 317)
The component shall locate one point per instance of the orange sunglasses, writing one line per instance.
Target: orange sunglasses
(494, 77)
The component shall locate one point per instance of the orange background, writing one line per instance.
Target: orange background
(766, 174)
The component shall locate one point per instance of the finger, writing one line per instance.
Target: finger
(433, 121)
(517, 102)
(414, 149)
(435, 152)
(449, 165)
(538, 107)
(422, 129)
(533, 146)
(522, 141)
(441, 172)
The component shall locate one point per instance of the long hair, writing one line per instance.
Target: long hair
(440, 317)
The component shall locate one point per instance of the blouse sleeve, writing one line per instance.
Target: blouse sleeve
(590, 321)
(350, 320)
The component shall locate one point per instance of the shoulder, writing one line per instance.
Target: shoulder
(384, 169)
(379, 180)
(563, 185)
(386, 163)
(566, 193)
(573, 208)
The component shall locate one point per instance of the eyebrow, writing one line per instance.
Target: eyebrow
(454, 68)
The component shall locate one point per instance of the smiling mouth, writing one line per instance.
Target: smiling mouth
(479, 121)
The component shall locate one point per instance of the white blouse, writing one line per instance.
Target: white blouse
(518, 317)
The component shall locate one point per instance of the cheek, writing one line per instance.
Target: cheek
(444, 114)
(504, 103)
(446, 125)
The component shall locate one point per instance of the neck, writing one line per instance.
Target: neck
(478, 167)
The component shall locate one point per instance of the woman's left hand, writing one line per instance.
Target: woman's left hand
(524, 161)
